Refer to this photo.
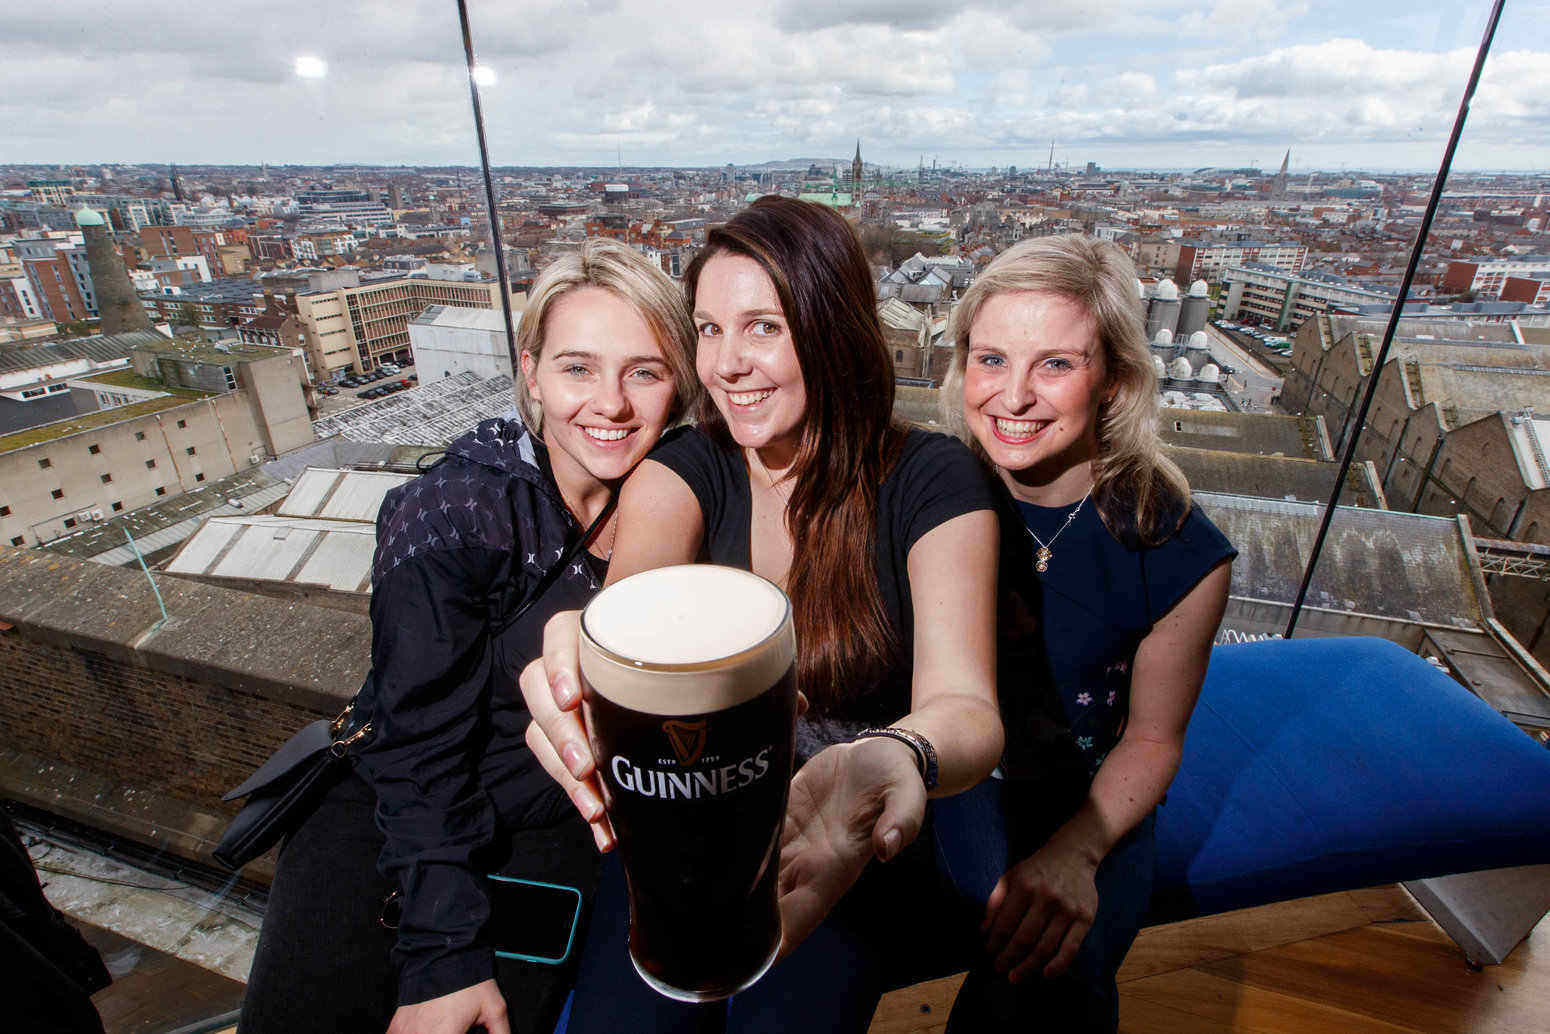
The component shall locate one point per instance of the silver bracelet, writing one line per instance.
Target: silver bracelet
(925, 753)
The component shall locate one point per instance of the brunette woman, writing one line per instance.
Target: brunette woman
(444, 790)
(885, 540)
(1123, 582)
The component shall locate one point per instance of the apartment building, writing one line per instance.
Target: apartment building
(51, 192)
(1284, 300)
(58, 275)
(1487, 277)
(359, 328)
(216, 305)
(1202, 260)
(344, 207)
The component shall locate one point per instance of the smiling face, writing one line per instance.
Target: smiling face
(1032, 390)
(746, 357)
(605, 389)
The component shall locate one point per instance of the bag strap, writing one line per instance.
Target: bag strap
(549, 577)
(342, 741)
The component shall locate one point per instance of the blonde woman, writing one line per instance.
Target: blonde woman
(1120, 579)
(468, 568)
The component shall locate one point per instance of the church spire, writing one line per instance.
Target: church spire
(856, 171)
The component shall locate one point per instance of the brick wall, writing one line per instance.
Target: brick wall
(95, 688)
(126, 721)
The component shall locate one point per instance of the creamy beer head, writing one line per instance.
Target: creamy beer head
(688, 684)
(686, 639)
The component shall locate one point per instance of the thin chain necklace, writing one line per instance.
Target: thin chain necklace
(1046, 551)
(613, 534)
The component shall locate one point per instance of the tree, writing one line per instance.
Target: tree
(188, 316)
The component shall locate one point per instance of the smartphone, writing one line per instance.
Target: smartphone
(532, 920)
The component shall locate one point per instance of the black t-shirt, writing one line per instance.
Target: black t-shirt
(935, 479)
(1095, 603)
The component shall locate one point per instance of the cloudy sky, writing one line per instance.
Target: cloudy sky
(1125, 83)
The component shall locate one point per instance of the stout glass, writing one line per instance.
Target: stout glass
(690, 701)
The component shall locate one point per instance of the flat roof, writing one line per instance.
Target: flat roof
(221, 352)
(465, 317)
(171, 520)
(99, 348)
(212, 291)
(87, 422)
(128, 378)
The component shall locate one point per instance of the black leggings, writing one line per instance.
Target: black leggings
(323, 961)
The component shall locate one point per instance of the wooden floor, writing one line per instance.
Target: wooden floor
(1357, 963)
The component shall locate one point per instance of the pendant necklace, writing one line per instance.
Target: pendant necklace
(1046, 551)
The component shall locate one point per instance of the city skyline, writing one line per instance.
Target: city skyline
(682, 83)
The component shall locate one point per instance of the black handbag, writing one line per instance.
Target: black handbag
(283, 790)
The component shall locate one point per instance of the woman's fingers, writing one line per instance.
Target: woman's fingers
(1069, 946)
(585, 794)
(1032, 947)
(551, 688)
(562, 728)
(904, 808)
(562, 658)
(1011, 903)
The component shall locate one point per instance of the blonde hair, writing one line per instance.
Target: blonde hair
(630, 275)
(1141, 495)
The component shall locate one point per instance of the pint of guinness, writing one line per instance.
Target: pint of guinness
(690, 700)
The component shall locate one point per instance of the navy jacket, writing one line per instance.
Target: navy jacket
(458, 550)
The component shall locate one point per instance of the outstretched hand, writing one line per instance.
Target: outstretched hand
(850, 803)
(478, 1005)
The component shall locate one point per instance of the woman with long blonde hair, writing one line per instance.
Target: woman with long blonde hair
(1120, 581)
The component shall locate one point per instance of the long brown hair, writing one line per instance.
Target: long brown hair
(849, 440)
(1141, 495)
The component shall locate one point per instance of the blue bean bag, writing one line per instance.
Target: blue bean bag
(1319, 765)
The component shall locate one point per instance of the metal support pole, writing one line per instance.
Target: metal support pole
(1399, 308)
(489, 192)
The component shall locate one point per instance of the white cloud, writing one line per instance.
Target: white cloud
(690, 81)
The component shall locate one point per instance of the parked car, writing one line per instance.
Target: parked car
(390, 367)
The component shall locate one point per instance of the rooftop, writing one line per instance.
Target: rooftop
(1264, 434)
(87, 421)
(1401, 566)
(1272, 476)
(99, 348)
(331, 554)
(465, 317)
(128, 378)
(432, 414)
(221, 352)
(170, 520)
(226, 290)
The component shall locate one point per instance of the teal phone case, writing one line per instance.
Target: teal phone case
(570, 938)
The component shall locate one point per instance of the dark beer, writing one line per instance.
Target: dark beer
(690, 698)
